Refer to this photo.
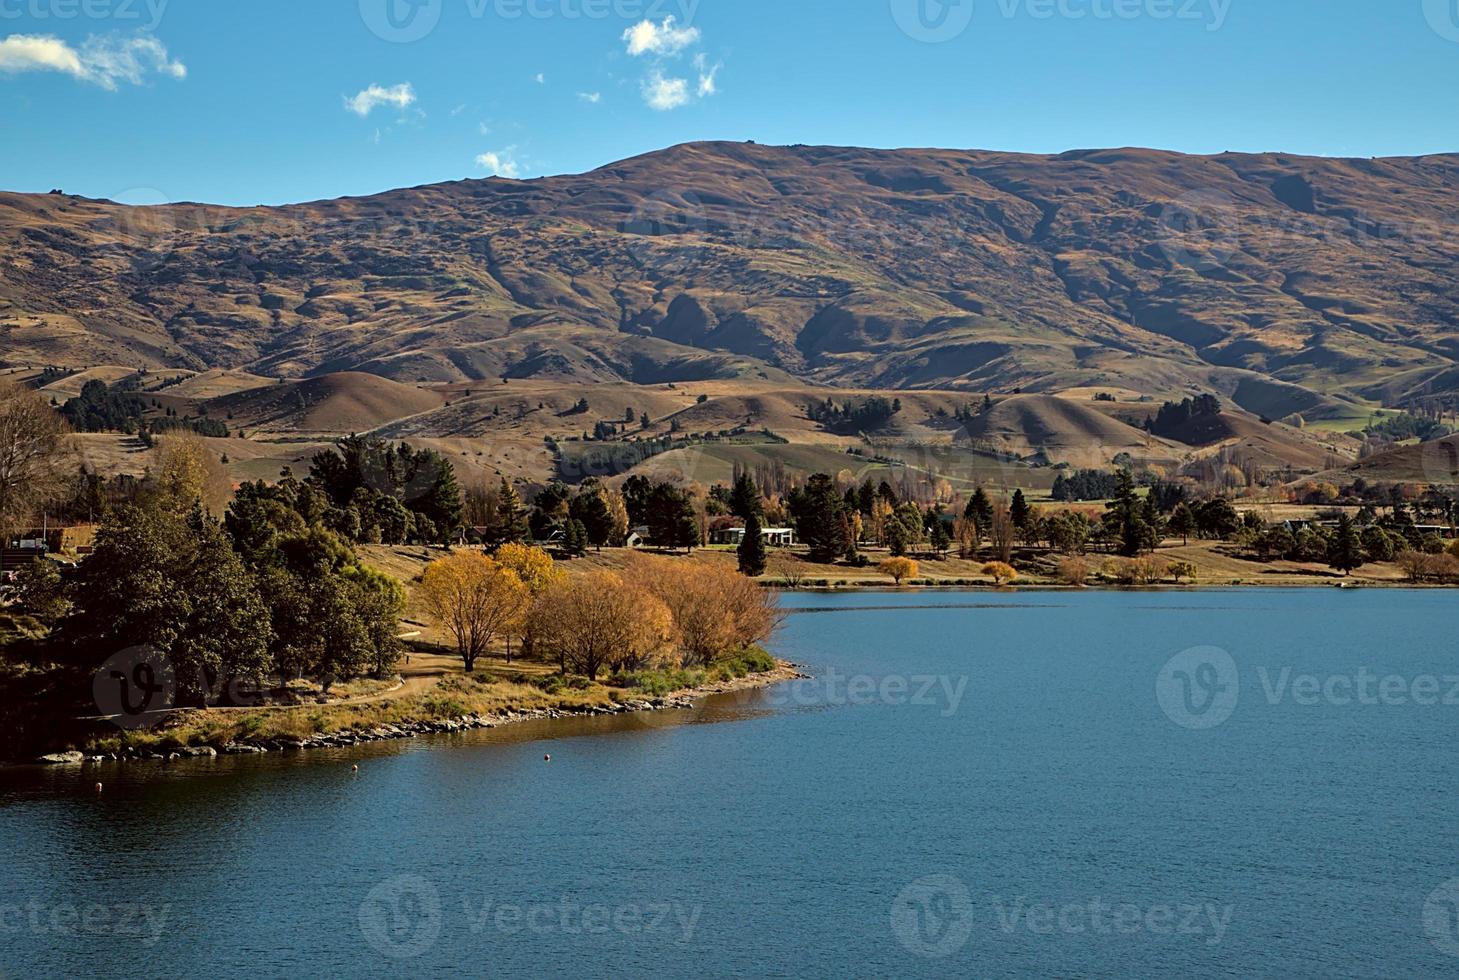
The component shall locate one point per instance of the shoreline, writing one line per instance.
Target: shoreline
(684, 700)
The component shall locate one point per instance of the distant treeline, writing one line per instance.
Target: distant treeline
(118, 408)
(1173, 416)
(866, 416)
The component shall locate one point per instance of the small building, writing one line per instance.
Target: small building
(72, 540)
(775, 537)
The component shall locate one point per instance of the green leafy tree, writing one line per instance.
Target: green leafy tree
(1183, 522)
(1378, 544)
(590, 508)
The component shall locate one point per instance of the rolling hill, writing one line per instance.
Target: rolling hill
(1286, 284)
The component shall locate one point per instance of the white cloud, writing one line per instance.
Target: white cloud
(484, 129)
(401, 96)
(663, 93)
(500, 163)
(541, 78)
(104, 60)
(665, 39)
(592, 98)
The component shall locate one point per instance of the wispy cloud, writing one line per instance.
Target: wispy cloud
(541, 78)
(708, 75)
(104, 60)
(665, 39)
(500, 163)
(400, 96)
(592, 98)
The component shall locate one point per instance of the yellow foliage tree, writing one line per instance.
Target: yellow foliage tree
(715, 610)
(1001, 572)
(189, 473)
(600, 620)
(899, 569)
(476, 600)
(533, 566)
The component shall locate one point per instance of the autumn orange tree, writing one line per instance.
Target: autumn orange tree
(899, 569)
(716, 611)
(538, 573)
(1001, 572)
(599, 621)
(476, 599)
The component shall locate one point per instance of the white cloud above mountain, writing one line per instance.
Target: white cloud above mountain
(106, 60)
(367, 100)
(664, 39)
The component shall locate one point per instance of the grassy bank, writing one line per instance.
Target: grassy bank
(500, 691)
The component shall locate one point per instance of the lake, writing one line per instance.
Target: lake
(1222, 783)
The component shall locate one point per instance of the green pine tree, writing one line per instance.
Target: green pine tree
(752, 548)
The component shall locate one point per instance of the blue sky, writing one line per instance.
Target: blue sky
(270, 101)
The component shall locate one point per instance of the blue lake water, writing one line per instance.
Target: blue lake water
(1000, 785)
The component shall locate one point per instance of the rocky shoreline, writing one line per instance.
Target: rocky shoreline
(679, 701)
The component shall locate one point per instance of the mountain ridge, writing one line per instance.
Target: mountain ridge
(1329, 279)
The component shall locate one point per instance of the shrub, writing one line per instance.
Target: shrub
(1001, 572)
(1073, 571)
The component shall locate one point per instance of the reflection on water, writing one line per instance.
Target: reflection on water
(884, 818)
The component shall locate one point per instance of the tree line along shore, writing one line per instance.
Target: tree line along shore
(282, 609)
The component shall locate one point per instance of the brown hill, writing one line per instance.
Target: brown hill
(334, 403)
(1275, 280)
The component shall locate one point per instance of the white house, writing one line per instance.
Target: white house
(775, 537)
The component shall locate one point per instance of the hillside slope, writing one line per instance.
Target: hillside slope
(1292, 280)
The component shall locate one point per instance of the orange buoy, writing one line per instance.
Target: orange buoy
(98, 787)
